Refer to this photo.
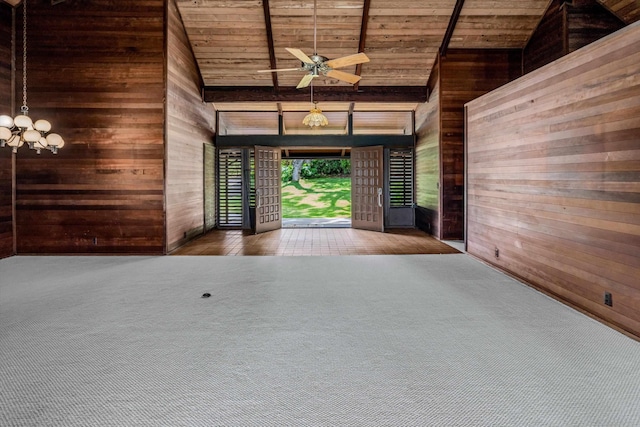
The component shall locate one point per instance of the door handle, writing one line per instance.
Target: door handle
(379, 197)
(258, 199)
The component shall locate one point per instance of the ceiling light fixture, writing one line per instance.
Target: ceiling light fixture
(14, 132)
(315, 116)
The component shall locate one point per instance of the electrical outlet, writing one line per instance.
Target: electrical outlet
(95, 240)
(497, 252)
(608, 299)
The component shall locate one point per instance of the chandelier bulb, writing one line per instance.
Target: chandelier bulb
(6, 121)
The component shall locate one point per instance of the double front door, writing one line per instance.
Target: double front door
(367, 178)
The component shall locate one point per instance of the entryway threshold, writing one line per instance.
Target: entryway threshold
(316, 222)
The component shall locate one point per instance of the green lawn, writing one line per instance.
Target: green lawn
(317, 198)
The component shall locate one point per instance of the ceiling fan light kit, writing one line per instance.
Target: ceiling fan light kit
(315, 118)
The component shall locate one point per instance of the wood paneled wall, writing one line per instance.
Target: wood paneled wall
(461, 76)
(6, 162)
(549, 41)
(588, 21)
(97, 72)
(464, 75)
(554, 178)
(190, 125)
(427, 170)
(565, 28)
(627, 10)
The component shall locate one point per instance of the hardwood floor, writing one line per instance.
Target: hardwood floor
(315, 242)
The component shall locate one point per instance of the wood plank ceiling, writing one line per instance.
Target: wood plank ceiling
(233, 39)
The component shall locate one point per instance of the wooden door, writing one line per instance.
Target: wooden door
(367, 176)
(268, 189)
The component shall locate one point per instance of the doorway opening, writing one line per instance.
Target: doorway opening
(370, 187)
(316, 192)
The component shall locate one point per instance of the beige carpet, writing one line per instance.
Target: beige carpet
(427, 340)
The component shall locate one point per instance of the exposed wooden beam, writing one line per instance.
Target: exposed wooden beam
(341, 141)
(272, 52)
(308, 155)
(451, 27)
(363, 36)
(321, 94)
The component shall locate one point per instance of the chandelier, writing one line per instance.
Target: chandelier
(14, 132)
(315, 116)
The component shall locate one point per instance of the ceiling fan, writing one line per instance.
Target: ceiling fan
(316, 65)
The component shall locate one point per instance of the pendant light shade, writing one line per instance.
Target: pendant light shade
(42, 126)
(6, 122)
(315, 118)
(5, 133)
(23, 121)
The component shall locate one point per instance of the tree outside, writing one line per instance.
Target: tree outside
(316, 188)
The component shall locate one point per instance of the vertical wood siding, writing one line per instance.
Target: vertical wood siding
(190, 124)
(554, 177)
(96, 71)
(6, 168)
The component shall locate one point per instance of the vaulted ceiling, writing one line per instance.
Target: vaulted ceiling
(234, 39)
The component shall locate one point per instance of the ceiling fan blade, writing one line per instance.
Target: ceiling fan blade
(280, 69)
(345, 61)
(306, 80)
(345, 77)
(300, 55)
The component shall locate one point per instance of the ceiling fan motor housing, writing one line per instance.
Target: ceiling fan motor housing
(318, 65)
(318, 59)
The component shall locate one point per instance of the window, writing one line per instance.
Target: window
(230, 188)
(401, 178)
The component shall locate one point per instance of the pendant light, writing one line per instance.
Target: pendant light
(14, 132)
(315, 116)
